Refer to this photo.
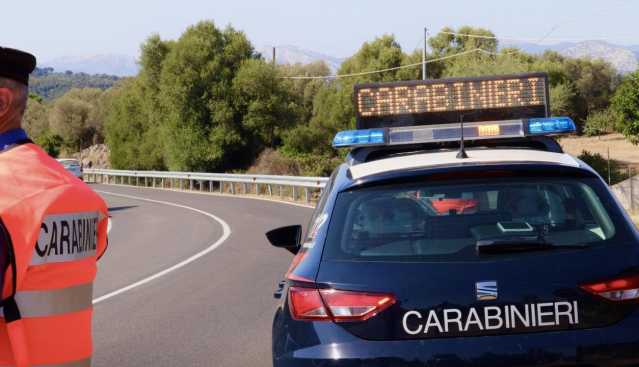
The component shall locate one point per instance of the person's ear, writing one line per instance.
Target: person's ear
(6, 101)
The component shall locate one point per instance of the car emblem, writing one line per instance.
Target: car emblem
(486, 291)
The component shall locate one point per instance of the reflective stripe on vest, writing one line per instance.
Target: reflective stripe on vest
(55, 301)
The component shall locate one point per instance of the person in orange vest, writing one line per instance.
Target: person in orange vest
(53, 229)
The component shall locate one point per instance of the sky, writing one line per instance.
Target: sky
(52, 29)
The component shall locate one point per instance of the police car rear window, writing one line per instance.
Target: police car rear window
(446, 219)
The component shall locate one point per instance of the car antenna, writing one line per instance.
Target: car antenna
(462, 150)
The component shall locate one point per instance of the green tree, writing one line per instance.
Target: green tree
(562, 98)
(36, 117)
(304, 90)
(134, 122)
(594, 82)
(202, 129)
(602, 122)
(70, 120)
(133, 142)
(626, 103)
(267, 105)
(449, 41)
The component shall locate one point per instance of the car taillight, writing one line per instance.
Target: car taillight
(618, 289)
(336, 305)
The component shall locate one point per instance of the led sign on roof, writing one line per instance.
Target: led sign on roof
(444, 100)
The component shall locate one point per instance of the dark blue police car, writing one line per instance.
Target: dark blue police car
(506, 252)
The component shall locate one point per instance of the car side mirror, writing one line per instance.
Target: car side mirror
(289, 237)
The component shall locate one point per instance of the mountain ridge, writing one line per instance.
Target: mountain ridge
(624, 58)
(102, 64)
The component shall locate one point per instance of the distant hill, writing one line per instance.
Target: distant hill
(110, 64)
(49, 84)
(293, 55)
(624, 58)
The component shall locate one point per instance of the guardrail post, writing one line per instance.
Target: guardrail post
(306, 194)
(221, 187)
(270, 190)
(233, 188)
(280, 189)
(294, 193)
(244, 188)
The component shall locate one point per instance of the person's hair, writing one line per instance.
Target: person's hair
(20, 91)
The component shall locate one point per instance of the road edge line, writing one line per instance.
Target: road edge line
(226, 233)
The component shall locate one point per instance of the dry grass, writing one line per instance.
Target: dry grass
(620, 149)
(271, 162)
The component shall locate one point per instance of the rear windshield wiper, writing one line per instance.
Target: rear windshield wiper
(509, 245)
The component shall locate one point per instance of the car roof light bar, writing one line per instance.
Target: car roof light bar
(506, 129)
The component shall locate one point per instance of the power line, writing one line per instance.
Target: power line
(469, 35)
(391, 69)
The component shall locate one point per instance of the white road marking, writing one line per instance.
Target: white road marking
(226, 232)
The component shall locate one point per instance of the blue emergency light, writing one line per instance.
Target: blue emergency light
(452, 132)
(359, 137)
(551, 125)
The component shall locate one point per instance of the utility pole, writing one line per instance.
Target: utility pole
(273, 55)
(424, 53)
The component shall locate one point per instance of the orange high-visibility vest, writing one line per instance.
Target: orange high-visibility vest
(57, 227)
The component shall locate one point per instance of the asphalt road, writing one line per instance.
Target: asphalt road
(213, 311)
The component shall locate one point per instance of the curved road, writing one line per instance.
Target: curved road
(214, 311)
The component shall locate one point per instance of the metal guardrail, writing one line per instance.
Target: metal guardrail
(283, 186)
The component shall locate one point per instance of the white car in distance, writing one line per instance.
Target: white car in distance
(73, 166)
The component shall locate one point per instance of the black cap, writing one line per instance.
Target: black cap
(16, 64)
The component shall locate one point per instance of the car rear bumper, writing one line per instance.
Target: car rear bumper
(326, 344)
